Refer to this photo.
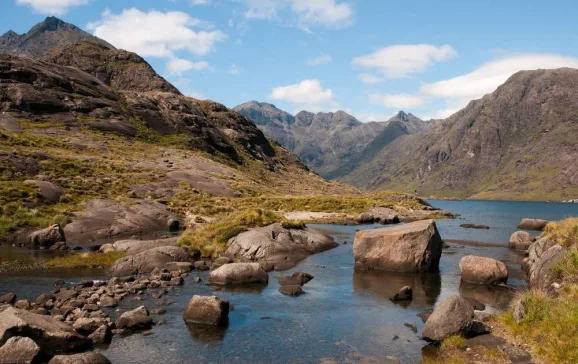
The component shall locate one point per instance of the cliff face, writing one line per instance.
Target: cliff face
(520, 141)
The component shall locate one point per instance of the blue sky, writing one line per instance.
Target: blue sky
(370, 58)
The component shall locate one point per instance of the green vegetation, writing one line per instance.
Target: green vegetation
(293, 224)
(453, 351)
(565, 232)
(85, 260)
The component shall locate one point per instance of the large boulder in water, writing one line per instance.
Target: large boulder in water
(521, 240)
(532, 224)
(238, 273)
(132, 247)
(206, 310)
(454, 316)
(483, 270)
(413, 247)
(148, 260)
(52, 336)
(85, 358)
(47, 237)
(19, 350)
(276, 247)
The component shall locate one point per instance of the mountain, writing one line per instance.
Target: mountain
(323, 141)
(44, 37)
(519, 142)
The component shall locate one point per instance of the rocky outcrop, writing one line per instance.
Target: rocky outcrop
(148, 260)
(535, 251)
(46, 238)
(277, 248)
(19, 349)
(237, 274)
(85, 358)
(483, 270)
(205, 310)
(133, 247)
(454, 316)
(137, 319)
(52, 336)
(533, 224)
(521, 240)
(413, 247)
(541, 275)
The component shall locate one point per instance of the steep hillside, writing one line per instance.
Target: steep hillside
(519, 142)
(44, 37)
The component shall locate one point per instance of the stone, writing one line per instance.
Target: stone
(532, 224)
(413, 247)
(107, 301)
(294, 290)
(207, 310)
(478, 328)
(541, 271)
(158, 311)
(84, 358)
(86, 326)
(384, 215)
(137, 319)
(132, 247)
(8, 299)
(179, 266)
(535, 251)
(518, 311)
(102, 335)
(404, 294)
(474, 226)
(302, 277)
(365, 218)
(19, 349)
(483, 270)
(221, 261)
(51, 335)
(238, 273)
(521, 240)
(22, 304)
(48, 190)
(477, 305)
(201, 265)
(289, 281)
(174, 225)
(452, 317)
(147, 261)
(45, 238)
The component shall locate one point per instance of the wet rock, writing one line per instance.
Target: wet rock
(483, 270)
(66, 294)
(102, 335)
(221, 261)
(411, 326)
(177, 281)
(413, 247)
(148, 260)
(47, 237)
(52, 336)
(137, 319)
(294, 290)
(474, 226)
(207, 310)
(404, 294)
(85, 358)
(179, 266)
(19, 349)
(532, 224)
(303, 277)
(521, 240)
(238, 273)
(158, 311)
(453, 316)
(59, 283)
(85, 326)
(8, 299)
(365, 218)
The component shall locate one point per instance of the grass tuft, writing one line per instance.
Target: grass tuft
(293, 224)
(85, 260)
(565, 232)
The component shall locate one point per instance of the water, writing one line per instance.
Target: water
(345, 316)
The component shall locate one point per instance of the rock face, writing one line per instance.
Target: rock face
(483, 270)
(147, 261)
(46, 238)
(532, 224)
(19, 350)
(238, 273)
(137, 319)
(521, 240)
(132, 247)
(52, 336)
(413, 247)
(541, 271)
(205, 310)
(85, 358)
(535, 251)
(276, 247)
(453, 316)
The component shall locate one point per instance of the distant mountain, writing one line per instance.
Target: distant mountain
(324, 141)
(519, 142)
(44, 37)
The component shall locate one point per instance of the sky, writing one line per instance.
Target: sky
(370, 58)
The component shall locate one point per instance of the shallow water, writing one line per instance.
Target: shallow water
(345, 316)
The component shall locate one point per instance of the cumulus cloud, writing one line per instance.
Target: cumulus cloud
(369, 78)
(397, 101)
(177, 66)
(399, 61)
(51, 7)
(307, 94)
(322, 59)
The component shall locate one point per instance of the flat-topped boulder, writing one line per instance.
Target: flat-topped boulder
(483, 270)
(521, 240)
(454, 316)
(276, 247)
(533, 224)
(413, 247)
(132, 247)
(148, 260)
(206, 310)
(238, 273)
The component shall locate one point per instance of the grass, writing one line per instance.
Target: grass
(565, 232)
(85, 260)
(293, 224)
(453, 351)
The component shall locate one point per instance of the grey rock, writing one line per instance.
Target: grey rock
(521, 240)
(132, 247)
(148, 260)
(19, 349)
(404, 294)
(541, 276)
(453, 316)
(532, 224)
(49, 191)
(47, 237)
(483, 270)
(85, 358)
(137, 319)
(206, 310)
(238, 274)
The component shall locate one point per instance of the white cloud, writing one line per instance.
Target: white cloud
(52, 7)
(155, 33)
(234, 69)
(397, 101)
(307, 94)
(177, 66)
(263, 9)
(399, 61)
(199, 2)
(322, 59)
(369, 78)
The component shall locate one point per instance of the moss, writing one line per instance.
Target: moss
(85, 260)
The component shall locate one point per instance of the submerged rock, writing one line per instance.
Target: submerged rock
(238, 273)
(291, 290)
(483, 270)
(404, 294)
(453, 316)
(207, 310)
(413, 247)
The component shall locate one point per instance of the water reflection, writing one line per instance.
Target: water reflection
(249, 288)
(206, 334)
(497, 297)
(426, 286)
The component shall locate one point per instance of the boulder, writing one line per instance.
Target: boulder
(302, 277)
(148, 260)
(201, 265)
(532, 224)
(51, 335)
(291, 290)
(541, 271)
(238, 273)
(102, 335)
(106, 301)
(132, 247)
(535, 251)
(86, 326)
(276, 247)
(404, 294)
(454, 316)
(521, 240)
(49, 191)
(84, 358)
(137, 319)
(207, 311)
(365, 218)
(19, 349)
(483, 270)
(8, 298)
(179, 266)
(47, 237)
(413, 247)
(518, 311)
(220, 261)
(384, 215)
